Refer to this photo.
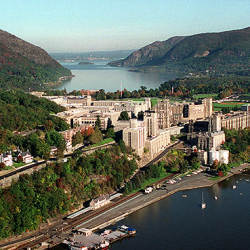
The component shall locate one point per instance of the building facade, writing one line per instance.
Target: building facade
(235, 120)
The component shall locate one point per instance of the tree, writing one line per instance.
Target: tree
(96, 136)
(53, 138)
(77, 138)
(124, 116)
(109, 124)
(110, 133)
(98, 122)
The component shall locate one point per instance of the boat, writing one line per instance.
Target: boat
(184, 196)
(128, 230)
(215, 197)
(203, 204)
(234, 186)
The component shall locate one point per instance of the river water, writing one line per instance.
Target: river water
(177, 223)
(101, 76)
(180, 223)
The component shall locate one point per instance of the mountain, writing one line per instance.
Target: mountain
(227, 51)
(24, 65)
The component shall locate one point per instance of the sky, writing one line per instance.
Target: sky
(98, 25)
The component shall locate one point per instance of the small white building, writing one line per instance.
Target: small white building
(99, 202)
(25, 157)
(6, 159)
(222, 156)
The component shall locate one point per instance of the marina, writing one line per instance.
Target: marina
(85, 239)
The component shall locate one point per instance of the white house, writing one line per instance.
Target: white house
(25, 157)
(6, 159)
(99, 202)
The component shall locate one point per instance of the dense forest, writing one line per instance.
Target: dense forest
(62, 186)
(216, 53)
(20, 111)
(26, 66)
(238, 144)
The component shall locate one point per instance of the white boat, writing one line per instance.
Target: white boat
(234, 186)
(215, 197)
(203, 204)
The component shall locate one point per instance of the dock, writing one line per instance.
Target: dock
(85, 239)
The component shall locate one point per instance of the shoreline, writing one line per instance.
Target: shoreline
(208, 183)
(121, 210)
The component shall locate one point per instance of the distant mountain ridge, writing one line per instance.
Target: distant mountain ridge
(221, 51)
(24, 65)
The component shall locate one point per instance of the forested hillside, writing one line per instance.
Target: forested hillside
(24, 65)
(20, 111)
(223, 52)
(58, 188)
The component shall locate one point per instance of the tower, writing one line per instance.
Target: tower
(208, 107)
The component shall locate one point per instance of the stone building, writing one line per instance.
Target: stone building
(146, 135)
(163, 111)
(236, 120)
(175, 113)
(213, 137)
(135, 136)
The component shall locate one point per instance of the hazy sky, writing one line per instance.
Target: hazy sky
(81, 25)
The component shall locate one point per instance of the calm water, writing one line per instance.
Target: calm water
(179, 223)
(101, 76)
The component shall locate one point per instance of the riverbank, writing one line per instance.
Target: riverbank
(119, 210)
(140, 201)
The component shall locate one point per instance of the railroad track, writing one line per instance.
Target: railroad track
(71, 223)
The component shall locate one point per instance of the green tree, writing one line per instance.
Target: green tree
(96, 136)
(124, 116)
(53, 138)
(98, 122)
(77, 138)
(109, 124)
(110, 133)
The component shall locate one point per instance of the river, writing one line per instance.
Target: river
(101, 76)
(178, 223)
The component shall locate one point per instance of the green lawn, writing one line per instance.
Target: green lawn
(219, 106)
(150, 182)
(198, 96)
(154, 101)
(105, 141)
(18, 164)
(7, 168)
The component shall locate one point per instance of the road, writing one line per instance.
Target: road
(35, 164)
(54, 230)
(21, 169)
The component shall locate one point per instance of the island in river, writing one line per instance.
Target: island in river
(85, 63)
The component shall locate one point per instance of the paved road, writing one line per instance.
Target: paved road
(103, 217)
(19, 170)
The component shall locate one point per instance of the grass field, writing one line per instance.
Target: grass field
(198, 96)
(18, 164)
(105, 141)
(219, 106)
(154, 101)
(150, 182)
